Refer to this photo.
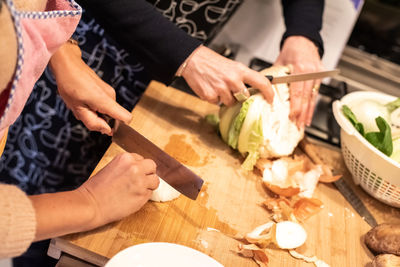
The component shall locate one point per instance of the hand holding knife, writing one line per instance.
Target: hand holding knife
(168, 168)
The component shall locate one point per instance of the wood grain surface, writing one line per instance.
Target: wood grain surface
(230, 201)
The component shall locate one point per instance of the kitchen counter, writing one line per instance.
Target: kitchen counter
(230, 201)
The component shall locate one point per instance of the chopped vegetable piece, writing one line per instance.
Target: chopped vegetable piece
(290, 235)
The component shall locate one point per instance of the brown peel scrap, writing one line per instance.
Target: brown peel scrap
(294, 210)
(262, 235)
(317, 262)
(280, 207)
(259, 239)
(261, 258)
(329, 178)
(285, 191)
(304, 208)
(252, 251)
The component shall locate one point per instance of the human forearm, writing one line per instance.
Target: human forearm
(122, 187)
(63, 213)
(304, 18)
(143, 31)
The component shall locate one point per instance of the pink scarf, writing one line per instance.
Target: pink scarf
(39, 35)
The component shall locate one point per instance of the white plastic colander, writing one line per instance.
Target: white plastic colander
(375, 172)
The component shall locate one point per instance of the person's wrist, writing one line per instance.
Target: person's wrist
(182, 67)
(65, 57)
(298, 40)
(90, 209)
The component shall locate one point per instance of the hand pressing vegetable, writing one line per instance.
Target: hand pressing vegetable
(259, 129)
(384, 238)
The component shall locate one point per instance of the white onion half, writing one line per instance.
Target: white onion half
(164, 192)
(290, 235)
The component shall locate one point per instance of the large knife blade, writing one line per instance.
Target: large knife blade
(355, 201)
(241, 96)
(168, 168)
(302, 77)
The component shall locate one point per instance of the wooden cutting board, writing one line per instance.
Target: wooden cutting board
(230, 201)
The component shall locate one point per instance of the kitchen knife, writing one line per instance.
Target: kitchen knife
(240, 96)
(168, 168)
(302, 77)
(355, 201)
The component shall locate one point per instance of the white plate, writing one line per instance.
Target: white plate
(161, 254)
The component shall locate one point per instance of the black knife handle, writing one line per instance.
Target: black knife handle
(110, 121)
(269, 77)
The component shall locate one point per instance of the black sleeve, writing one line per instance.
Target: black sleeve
(138, 27)
(304, 17)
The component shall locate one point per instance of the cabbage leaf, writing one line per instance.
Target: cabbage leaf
(255, 139)
(227, 115)
(382, 140)
(236, 126)
(251, 135)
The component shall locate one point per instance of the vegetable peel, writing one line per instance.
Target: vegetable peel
(289, 176)
(317, 262)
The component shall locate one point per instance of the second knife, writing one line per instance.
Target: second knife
(168, 168)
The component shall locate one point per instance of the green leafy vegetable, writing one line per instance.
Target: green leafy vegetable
(391, 106)
(352, 118)
(382, 140)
